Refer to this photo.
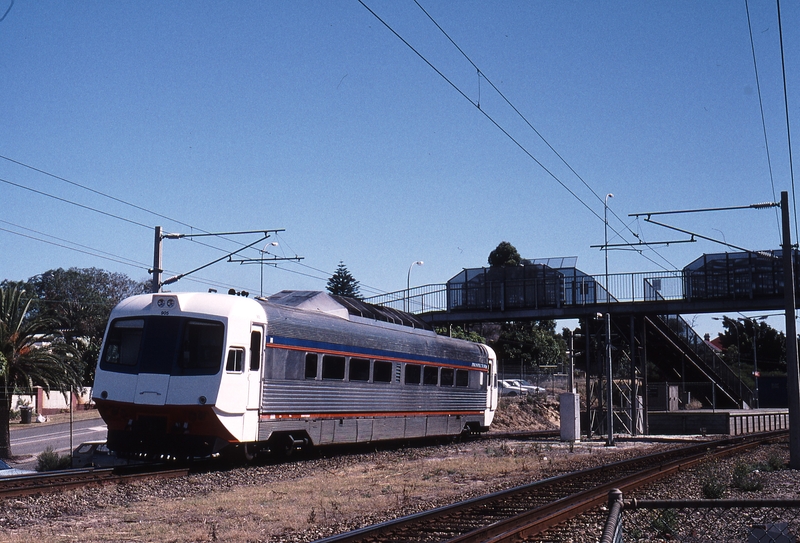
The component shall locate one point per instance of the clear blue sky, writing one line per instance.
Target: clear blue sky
(316, 118)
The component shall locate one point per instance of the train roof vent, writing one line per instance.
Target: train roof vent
(344, 307)
(310, 300)
(380, 313)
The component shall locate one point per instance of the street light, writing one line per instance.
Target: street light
(605, 241)
(264, 250)
(738, 351)
(757, 400)
(408, 282)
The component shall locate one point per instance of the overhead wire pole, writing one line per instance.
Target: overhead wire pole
(157, 283)
(790, 303)
(792, 369)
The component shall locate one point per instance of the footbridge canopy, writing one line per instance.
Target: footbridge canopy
(555, 288)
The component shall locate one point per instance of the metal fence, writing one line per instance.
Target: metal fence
(695, 521)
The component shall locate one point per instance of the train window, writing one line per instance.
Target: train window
(333, 367)
(202, 347)
(164, 345)
(413, 374)
(359, 369)
(255, 350)
(382, 372)
(311, 365)
(462, 378)
(430, 375)
(235, 361)
(124, 339)
(447, 377)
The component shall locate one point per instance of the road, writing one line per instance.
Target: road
(28, 441)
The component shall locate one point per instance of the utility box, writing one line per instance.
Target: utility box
(570, 411)
(662, 397)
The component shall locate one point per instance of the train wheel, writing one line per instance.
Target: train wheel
(240, 453)
(249, 452)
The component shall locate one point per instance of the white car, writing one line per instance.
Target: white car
(8, 471)
(509, 387)
(525, 387)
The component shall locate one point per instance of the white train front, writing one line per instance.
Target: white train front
(195, 374)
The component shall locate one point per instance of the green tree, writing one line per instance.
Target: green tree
(32, 353)
(737, 344)
(460, 333)
(533, 343)
(82, 299)
(504, 255)
(342, 283)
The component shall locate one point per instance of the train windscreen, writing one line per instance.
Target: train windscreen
(165, 345)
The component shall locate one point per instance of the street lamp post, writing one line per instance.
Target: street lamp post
(756, 399)
(264, 250)
(605, 239)
(609, 366)
(408, 283)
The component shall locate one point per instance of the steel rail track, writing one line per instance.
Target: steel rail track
(22, 485)
(56, 481)
(531, 509)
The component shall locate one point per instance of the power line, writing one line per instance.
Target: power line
(90, 252)
(788, 126)
(82, 206)
(105, 195)
(763, 119)
(95, 191)
(110, 197)
(507, 134)
(109, 256)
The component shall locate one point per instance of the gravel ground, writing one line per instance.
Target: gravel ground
(763, 470)
(309, 498)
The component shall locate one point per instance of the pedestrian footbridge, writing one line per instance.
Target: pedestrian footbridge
(644, 308)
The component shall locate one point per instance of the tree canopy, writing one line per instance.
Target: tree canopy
(737, 344)
(504, 255)
(342, 283)
(82, 299)
(531, 343)
(33, 352)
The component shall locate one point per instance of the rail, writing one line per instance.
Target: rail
(532, 509)
(57, 481)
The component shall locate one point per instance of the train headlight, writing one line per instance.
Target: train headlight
(104, 394)
(202, 400)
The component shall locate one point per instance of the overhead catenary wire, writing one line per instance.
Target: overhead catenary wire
(763, 118)
(788, 124)
(109, 197)
(506, 133)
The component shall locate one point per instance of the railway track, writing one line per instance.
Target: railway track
(530, 510)
(56, 481)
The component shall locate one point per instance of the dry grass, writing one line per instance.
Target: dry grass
(351, 495)
(304, 501)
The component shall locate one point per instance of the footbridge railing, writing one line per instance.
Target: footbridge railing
(566, 291)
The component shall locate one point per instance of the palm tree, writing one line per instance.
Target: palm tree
(32, 353)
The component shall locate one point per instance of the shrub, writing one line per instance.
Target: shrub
(714, 488)
(49, 460)
(747, 477)
(776, 463)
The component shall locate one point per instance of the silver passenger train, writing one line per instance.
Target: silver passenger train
(196, 374)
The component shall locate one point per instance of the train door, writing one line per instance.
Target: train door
(255, 366)
(491, 376)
